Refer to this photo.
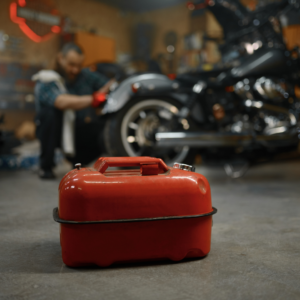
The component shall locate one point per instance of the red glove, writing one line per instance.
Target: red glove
(98, 99)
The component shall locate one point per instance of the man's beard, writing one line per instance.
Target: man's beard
(60, 70)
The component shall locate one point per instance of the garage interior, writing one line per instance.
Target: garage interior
(255, 240)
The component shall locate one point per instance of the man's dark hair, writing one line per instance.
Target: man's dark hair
(70, 47)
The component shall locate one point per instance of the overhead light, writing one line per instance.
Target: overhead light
(170, 48)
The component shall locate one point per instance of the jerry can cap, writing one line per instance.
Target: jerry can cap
(183, 167)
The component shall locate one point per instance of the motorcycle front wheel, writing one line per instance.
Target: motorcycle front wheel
(131, 131)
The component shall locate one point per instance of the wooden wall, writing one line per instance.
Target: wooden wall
(292, 36)
(108, 21)
(105, 20)
(176, 18)
(32, 53)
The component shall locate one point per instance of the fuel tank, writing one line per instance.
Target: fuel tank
(262, 62)
(155, 212)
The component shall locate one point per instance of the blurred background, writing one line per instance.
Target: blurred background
(120, 39)
(210, 83)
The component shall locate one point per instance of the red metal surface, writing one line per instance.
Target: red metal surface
(153, 191)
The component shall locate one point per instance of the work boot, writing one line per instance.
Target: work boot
(46, 174)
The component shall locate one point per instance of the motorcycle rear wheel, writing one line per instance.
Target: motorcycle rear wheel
(130, 131)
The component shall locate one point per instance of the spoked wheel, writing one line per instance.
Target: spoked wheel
(131, 132)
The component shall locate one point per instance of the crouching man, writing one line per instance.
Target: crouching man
(66, 99)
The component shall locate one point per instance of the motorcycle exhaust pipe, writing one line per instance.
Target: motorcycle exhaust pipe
(203, 140)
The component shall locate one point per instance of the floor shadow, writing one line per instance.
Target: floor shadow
(135, 265)
(45, 258)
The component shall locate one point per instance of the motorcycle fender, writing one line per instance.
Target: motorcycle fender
(151, 85)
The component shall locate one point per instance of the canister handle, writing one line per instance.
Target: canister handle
(148, 165)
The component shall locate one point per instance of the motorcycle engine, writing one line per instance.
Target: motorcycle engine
(262, 123)
(256, 110)
(241, 123)
(265, 88)
(270, 89)
(264, 118)
(275, 124)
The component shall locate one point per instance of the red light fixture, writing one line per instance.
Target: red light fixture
(55, 29)
(135, 87)
(172, 76)
(25, 28)
(22, 3)
(190, 5)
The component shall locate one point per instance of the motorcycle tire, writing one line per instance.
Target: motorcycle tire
(115, 140)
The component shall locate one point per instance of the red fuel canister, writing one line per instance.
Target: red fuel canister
(154, 212)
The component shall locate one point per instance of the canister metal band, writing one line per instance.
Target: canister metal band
(57, 219)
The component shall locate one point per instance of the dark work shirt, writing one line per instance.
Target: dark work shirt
(86, 83)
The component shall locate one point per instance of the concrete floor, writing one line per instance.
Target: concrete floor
(255, 251)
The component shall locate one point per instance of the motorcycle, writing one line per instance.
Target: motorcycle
(244, 112)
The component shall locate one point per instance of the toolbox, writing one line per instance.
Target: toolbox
(153, 212)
